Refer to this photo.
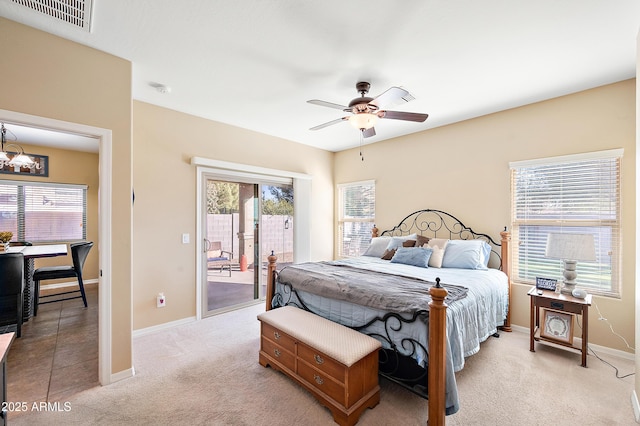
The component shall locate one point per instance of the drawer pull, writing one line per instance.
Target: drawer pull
(318, 359)
(318, 379)
(277, 353)
(276, 335)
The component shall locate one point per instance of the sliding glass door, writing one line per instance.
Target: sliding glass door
(244, 222)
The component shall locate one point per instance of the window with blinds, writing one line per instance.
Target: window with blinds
(356, 216)
(43, 212)
(577, 194)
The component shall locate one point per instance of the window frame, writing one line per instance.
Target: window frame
(21, 208)
(601, 223)
(343, 220)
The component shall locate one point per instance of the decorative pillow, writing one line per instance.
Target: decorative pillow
(421, 241)
(465, 254)
(418, 256)
(409, 243)
(438, 245)
(377, 247)
(397, 241)
(388, 254)
(435, 261)
(438, 242)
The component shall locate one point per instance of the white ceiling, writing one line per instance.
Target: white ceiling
(254, 64)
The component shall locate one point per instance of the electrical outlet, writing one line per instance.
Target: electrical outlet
(161, 301)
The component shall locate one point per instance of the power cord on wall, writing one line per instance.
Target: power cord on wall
(602, 318)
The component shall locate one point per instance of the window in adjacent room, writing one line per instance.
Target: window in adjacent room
(43, 212)
(356, 216)
(577, 194)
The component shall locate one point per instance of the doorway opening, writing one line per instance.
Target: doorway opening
(104, 138)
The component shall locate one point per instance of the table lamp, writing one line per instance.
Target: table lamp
(570, 248)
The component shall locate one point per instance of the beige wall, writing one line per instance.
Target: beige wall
(55, 78)
(165, 206)
(83, 170)
(464, 169)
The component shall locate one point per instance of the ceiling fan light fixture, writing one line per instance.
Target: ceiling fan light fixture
(363, 121)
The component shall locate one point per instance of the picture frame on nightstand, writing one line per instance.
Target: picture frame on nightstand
(546, 283)
(557, 326)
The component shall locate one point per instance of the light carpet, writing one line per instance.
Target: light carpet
(207, 373)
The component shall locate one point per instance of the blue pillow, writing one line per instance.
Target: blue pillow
(466, 254)
(416, 256)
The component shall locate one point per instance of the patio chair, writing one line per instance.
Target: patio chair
(218, 258)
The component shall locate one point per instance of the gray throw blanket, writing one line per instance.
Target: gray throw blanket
(378, 290)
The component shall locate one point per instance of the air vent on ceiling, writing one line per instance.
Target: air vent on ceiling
(74, 12)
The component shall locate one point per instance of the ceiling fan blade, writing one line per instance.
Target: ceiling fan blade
(369, 132)
(329, 123)
(400, 115)
(392, 97)
(328, 104)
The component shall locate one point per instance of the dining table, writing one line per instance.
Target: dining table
(31, 253)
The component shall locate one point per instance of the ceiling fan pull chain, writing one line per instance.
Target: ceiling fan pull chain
(361, 144)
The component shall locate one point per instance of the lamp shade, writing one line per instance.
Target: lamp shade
(363, 120)
(571, 247)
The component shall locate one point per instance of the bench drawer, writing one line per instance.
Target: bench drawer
(322, 362)
(278, 353)
(281, 339)
(322, 381)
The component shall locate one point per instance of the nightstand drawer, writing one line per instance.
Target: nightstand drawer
(559, 305)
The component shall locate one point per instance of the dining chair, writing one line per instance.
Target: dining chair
(79, 252)
(12, 289)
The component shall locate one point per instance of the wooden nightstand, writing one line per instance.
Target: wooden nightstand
(564, 304)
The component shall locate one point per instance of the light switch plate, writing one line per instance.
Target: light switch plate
(185, 238)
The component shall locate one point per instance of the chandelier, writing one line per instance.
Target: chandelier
(13, 159)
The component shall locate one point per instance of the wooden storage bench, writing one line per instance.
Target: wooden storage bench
(339, 366)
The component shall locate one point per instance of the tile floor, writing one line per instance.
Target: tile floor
(57, 355)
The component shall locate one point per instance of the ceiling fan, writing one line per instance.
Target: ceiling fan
(366, 111)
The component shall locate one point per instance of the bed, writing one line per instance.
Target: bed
(385, 295)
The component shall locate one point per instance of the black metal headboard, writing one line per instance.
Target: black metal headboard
(438, 224)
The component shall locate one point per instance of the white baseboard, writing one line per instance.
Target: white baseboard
(597, 348)
(67, 284)
(164, 326)
(121, 375)
(636, 406)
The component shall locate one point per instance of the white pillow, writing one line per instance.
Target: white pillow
(437, 254)
(438, 246)
(396, 242)
(377, 247)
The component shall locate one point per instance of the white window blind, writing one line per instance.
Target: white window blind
(571, 194)
(356, 216)
(43, 212)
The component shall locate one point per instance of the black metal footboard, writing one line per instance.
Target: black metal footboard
(397, 360)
